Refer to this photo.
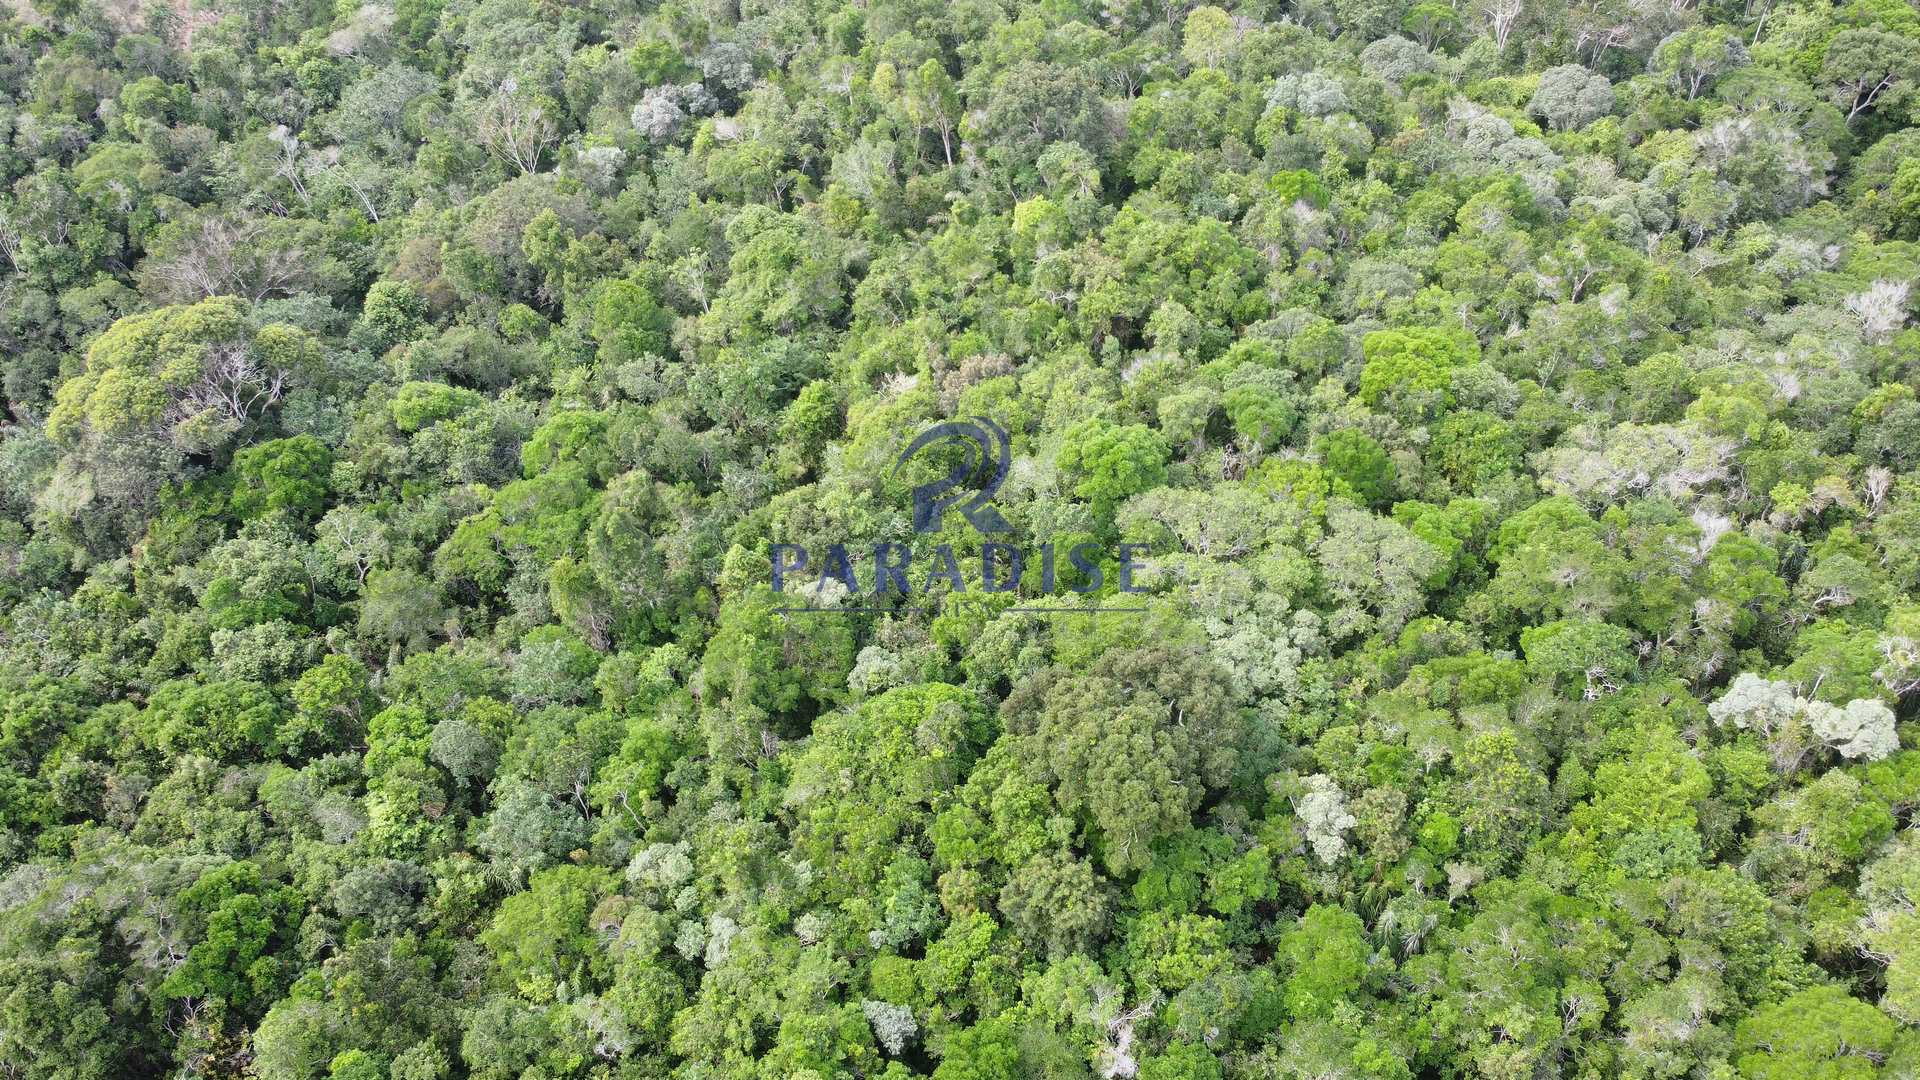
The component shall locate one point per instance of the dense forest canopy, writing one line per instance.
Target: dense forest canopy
(1517, 400)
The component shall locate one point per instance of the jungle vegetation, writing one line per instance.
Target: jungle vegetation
(1518, 398)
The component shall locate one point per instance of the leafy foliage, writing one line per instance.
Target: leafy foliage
(1509, 410)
